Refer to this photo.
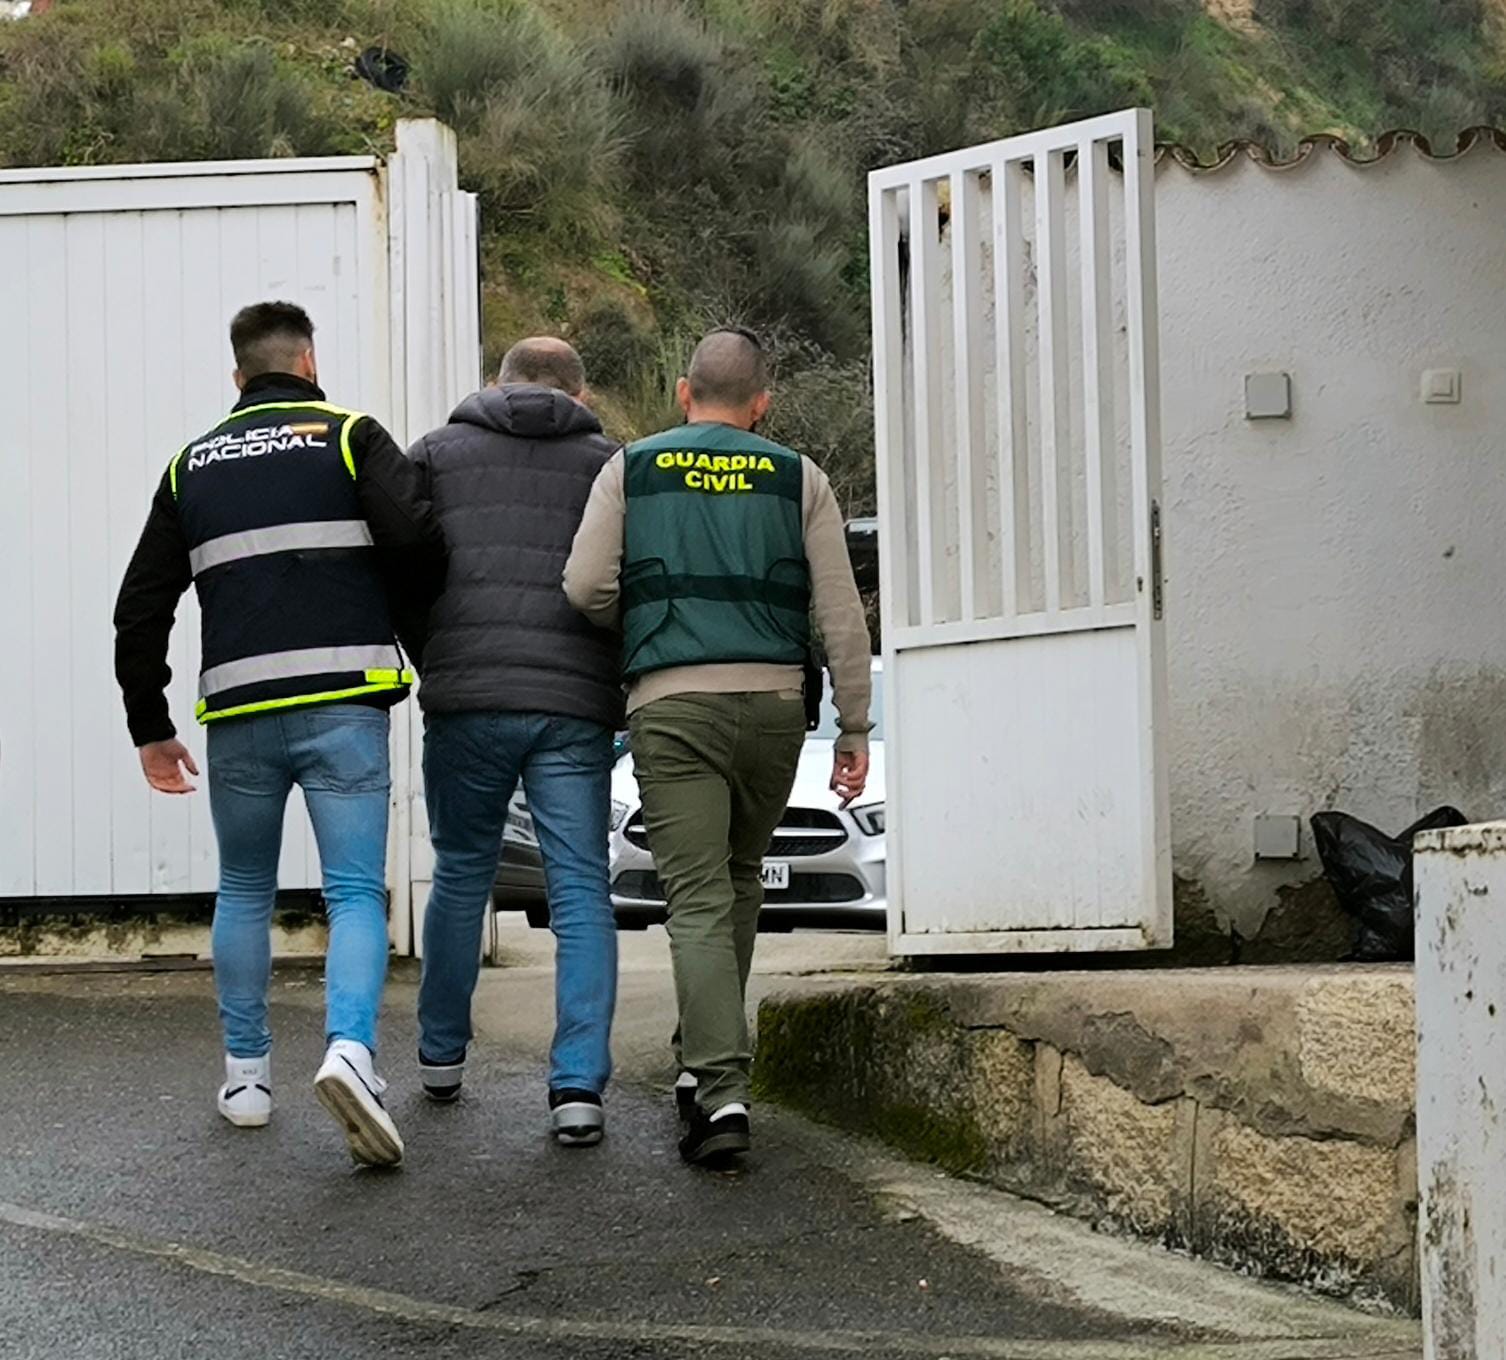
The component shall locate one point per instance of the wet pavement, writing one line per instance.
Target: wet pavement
(135, 1223)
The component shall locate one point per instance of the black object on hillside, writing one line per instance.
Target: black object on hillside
(386, 70)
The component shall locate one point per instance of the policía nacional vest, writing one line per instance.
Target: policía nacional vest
(713, 565)
(293, 609)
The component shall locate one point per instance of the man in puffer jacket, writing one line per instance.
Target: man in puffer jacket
(517, 685)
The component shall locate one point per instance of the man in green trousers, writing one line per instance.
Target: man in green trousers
(711, 548)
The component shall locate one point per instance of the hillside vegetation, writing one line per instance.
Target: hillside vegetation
(652, 167)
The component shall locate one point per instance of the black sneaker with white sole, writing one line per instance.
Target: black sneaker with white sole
(576, 1118)
(716, 1141)
(441, 1081)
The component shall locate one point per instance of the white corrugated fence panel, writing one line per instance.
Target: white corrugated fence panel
(118, 354)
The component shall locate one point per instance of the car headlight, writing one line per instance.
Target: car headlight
(619, 814)
(870, 819)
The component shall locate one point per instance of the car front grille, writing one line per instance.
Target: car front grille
(801, 833)
(818, 889)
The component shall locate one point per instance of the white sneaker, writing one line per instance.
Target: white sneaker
(246, 1097)
(349, 1088)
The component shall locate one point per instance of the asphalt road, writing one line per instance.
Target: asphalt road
(135, 1223)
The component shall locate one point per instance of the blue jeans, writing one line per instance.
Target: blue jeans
(472, 763)
(337, 754)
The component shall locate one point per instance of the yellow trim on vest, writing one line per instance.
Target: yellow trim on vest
(402, 677)
(297, 700)
(345, 453)
(172, 470)
(292, 406)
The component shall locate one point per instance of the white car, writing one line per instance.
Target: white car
(825, 864)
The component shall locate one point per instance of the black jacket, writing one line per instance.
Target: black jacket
(509, 477)
(391, 498)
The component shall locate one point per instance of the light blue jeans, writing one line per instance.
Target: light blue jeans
(337, 754)
(472, 764)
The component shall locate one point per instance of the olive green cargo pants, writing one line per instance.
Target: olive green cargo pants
(715, 771)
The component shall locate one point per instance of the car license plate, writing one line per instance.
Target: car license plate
(519, 828)
(776, 874)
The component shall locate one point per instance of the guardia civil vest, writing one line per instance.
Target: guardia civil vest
(293, 609)
(713, 566)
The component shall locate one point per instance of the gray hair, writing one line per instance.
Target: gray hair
(544, 361)
(727, 369)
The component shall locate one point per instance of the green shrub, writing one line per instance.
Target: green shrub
(540, 136)
(470, 50)
(544, 154)
(69, 100)
(661, 55)
(245, 102)
(614, 343)
(798, 279)
(817, 189)
(1040, 72)
(691, 113)
(824, 408)
(648, 396)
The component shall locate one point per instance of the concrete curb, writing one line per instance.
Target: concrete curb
(142, 930)
(1262, 1118)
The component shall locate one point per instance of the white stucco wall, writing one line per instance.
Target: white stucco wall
(1335, 605)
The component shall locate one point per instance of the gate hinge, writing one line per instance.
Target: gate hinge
(1157, 601)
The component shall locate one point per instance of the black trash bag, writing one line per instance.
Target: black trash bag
(1371, 874)
(386, 70)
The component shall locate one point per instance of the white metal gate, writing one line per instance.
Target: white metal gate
(1018, 443)
(117, 284)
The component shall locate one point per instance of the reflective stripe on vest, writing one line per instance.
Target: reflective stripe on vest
(327, 533)
(255, 670)
(292, 602)
(377, 681)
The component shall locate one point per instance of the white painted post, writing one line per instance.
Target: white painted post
(1460, 878)
(435, 346)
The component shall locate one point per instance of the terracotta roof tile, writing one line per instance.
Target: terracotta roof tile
(1229, 152)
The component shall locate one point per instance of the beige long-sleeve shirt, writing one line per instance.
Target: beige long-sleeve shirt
(593, 585)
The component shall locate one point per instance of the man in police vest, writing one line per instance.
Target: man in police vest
(283, 517)
(711, 548)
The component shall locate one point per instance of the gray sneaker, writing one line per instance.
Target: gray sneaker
(576, 1118)
(441, 1081)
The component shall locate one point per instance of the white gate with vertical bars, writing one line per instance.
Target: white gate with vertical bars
(1018, 443)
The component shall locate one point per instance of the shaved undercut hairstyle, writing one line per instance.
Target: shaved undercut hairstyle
(728, 369)
(544, 361)
(270, 337)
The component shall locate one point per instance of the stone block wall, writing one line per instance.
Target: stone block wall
(1259, 1117)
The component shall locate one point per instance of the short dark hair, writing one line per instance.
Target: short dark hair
(728, 368)
(544, 361)
(269, 337)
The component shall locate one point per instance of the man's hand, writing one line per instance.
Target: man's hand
(849, 775)
(163, 763)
